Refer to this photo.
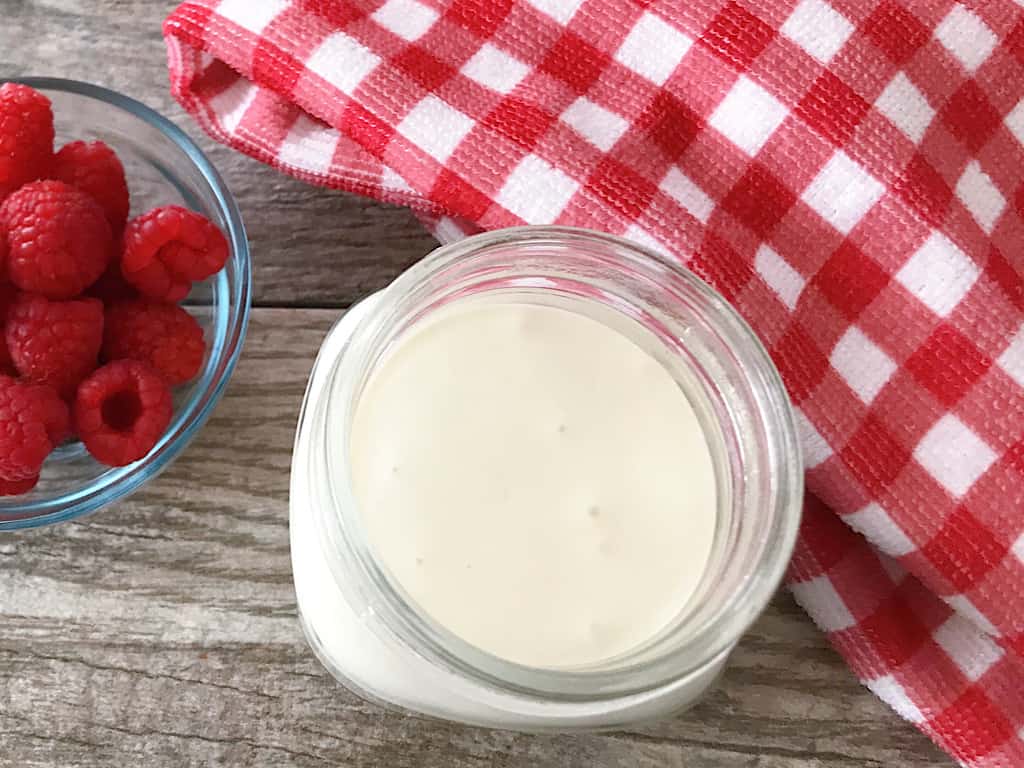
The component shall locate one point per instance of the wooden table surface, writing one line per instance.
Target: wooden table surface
(163, 631)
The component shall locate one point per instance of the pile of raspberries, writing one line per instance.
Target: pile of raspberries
(92, 336)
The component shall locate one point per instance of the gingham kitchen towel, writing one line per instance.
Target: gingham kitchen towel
(849, 174)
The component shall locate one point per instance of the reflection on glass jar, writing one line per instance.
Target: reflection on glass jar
(544, 480)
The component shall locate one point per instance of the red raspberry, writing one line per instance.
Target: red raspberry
(163, 335)
(121, 411)
(7, 295)
(26, 136)
(33, 419)
(3, 256)
(54, 342)
(96, 170)
(17, 487)
(112, 286)
(168, 249)
(58, 237)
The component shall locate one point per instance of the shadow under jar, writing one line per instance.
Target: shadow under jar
(377, 639)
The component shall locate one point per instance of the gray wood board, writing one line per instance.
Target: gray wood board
(163, 631)
(165, 628)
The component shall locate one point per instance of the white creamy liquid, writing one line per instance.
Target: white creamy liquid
(535, 481)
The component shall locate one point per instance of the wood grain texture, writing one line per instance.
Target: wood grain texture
(163, 632)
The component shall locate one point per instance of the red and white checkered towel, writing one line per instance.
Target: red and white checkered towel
(848, 173)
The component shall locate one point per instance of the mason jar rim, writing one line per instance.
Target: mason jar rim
(356, 566)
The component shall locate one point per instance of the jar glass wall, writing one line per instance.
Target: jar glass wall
(371, 634)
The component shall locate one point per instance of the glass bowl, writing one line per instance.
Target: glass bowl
(163, 167)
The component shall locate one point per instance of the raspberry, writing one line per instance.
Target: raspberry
(121, 411)
(97, 171)
(163, 335)
(26, 136)
(112, 286)
(17, 487)
(3, 256)
(54, 342)
(58, 237)
(7, 295)
(168, 249)
(33, 419)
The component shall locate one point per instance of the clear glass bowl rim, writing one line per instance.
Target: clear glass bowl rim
(119, 483)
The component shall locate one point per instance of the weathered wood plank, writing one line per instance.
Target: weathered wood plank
(164, 630)
(311, 247)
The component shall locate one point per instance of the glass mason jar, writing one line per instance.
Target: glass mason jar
(369, 632)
